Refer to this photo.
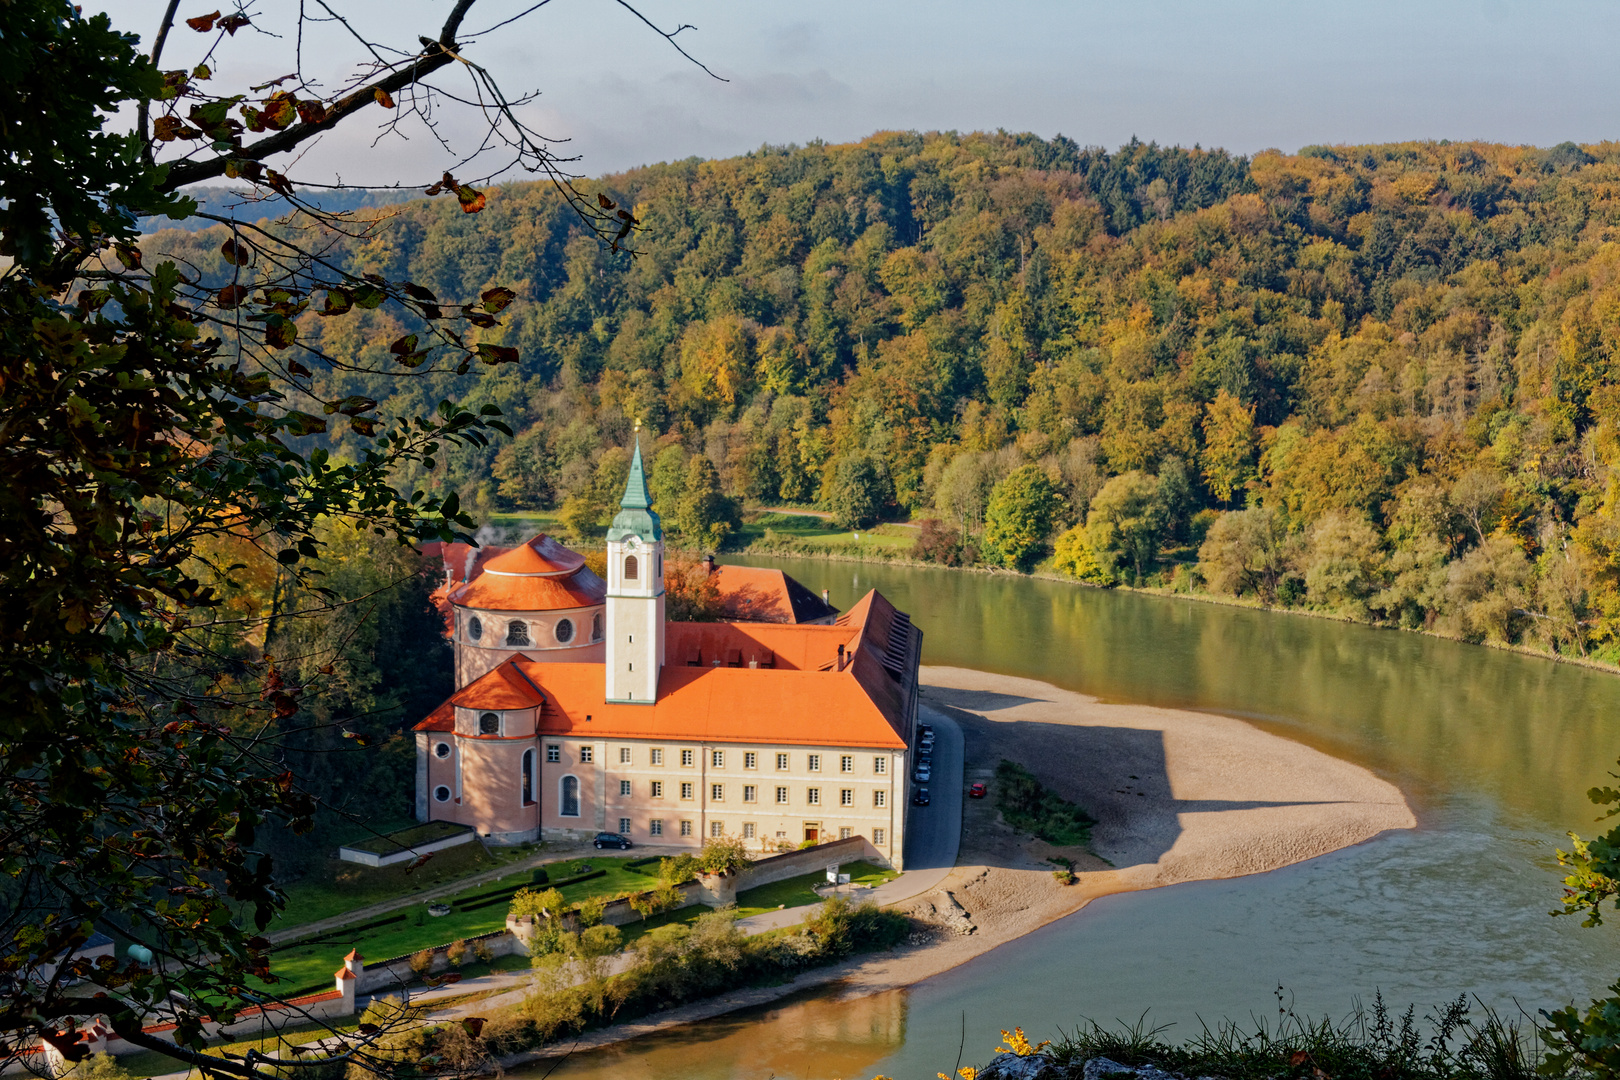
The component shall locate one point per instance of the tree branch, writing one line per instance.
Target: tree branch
(143, 113)
(431, 59)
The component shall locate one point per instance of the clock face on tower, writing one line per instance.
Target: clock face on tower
(633, 544)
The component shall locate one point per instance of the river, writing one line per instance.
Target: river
(1494, 750)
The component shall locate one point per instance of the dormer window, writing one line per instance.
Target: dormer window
(632, 568)
(517, 632)
(489, 724)
(475, 628)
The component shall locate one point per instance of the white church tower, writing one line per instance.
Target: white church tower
(635, 594)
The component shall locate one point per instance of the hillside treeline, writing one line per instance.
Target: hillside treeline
(1374, 380)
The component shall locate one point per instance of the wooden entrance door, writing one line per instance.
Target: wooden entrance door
(812, 831)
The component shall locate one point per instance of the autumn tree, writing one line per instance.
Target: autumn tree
(1019, 516)
(1127, 521)
(1228, 457)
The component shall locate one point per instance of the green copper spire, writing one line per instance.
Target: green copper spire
(635, 516)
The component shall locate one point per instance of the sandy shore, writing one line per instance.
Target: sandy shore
(1178, 796)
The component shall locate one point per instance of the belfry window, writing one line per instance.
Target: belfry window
(632, 569)
(517, 632)
(489, 724)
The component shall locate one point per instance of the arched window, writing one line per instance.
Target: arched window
(528, 778)
(568, 805)
(596, 627)
(475, 628)
(517, 632)
(632, 569)
(489, 724)
(564, 630)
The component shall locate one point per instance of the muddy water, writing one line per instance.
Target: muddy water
(1493, 749)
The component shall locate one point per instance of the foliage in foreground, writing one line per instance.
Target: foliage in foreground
(1030, 807)
(1375, 1044)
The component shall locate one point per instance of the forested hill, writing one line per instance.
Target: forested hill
(1399, 357)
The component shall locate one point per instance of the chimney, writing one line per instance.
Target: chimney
(708, 563)
(840, 658)
(825, 599)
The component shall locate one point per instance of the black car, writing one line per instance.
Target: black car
(612, 839)
(919, 797)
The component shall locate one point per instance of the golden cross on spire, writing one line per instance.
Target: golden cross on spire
(638, 423)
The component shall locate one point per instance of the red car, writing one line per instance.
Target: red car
(976, 791)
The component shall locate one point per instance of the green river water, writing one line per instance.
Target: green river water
(1494, 750)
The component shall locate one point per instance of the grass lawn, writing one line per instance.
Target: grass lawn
(798, 891)
(312, 965)
(773, 527)
(150, 1063)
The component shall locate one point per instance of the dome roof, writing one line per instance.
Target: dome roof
(540, 575)
(539, 557)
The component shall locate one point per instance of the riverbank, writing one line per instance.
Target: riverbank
(1178, 796)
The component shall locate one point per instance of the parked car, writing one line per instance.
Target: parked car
(925, 744)
(919, 797)
(922, 774)
(925, 729)
(976, 791)
(614, 840)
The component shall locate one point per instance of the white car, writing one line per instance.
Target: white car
(923, 774)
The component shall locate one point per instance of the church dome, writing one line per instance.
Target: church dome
(540, 575)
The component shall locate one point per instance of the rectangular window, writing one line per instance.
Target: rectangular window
(845, 832)
(656, 755)
(585, 755)
(686, 828)
(717, 759)
(813, 762)
(846, 796)
(748, 830)
(655, 827)
(624, 826)
(717, 793)
(880, 798)
(687, 790)
(877, 837)
(717, 828)
(781, 794)
(880, 765)
(846, 763)
(750, 793)
(624, 788)
(813, 796)
(688, 758)
(624, 755)
(658, 789)
(750, 760)
(781, 762)
(553, 753)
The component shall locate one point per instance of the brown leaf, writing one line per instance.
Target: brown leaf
(496, 299)
(232, 23)
(311, 112)
(129, 256)
(497, 354)
(472, 201)
(406, 344)
(236, 254)
(368, 1029)
(280, 332)
(231, 295)
(295, 368)
(383, 98)
(417, 292)
(1298, 1058)
(203, 23)
(338, 302)
(473, 1025)
(604, 202)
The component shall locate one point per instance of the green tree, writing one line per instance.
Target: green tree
(1127, 521)
(1245, 551)
(704, 515)
(858, 493)
(1019, 516)
(1228, 457)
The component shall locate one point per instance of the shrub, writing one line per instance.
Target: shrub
(457, 952)
(1028, 806)
(422, 962)
(938, 542)
(485, 954)
(724, 855)
(1072, 555)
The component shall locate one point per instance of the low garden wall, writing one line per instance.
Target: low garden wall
(383, 976)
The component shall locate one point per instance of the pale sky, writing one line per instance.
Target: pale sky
(1241, 74)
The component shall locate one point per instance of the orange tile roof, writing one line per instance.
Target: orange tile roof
(539, 555)
(441, 719)
(760, 594)
(794, 696)
(491, 592)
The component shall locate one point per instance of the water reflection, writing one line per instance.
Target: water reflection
(1495, 749)
(832, 1037)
